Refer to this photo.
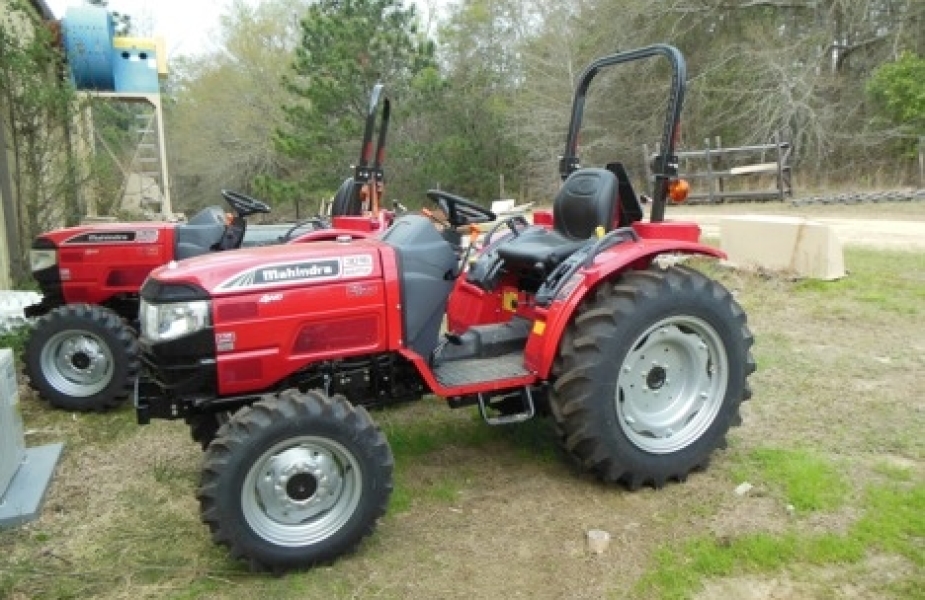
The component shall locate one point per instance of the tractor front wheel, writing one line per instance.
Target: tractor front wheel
(650, 376)
(204, 427)
(82, 357)
(294, 480)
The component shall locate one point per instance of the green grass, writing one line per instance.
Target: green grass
(432, 432)
(443, 433)
(893, 522)
(16, 339)
(890, 282)
(805, 480)
(894, 472)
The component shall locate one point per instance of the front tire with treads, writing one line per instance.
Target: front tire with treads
(294, 480)
(650, 375)
(82, 357)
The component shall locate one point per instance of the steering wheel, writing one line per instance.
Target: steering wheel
(244, 205)
(460, 211)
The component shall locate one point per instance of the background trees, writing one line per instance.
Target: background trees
(481, 106)
(346, 47)
(227, 104)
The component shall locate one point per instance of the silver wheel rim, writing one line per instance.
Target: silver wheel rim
(77, 363)
(301, 491)
(672, 384)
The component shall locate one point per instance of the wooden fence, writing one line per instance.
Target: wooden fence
(717, 174)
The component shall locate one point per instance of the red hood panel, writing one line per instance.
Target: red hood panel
(274, 267)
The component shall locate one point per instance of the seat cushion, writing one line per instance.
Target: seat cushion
(539, 249)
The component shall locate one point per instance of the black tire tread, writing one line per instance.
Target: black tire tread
(104, 319)
(572, 401)
(234, 438)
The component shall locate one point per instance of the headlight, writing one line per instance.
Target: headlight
(162, 322)
(40, 260)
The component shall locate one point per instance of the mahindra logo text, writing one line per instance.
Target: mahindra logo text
(298, 272)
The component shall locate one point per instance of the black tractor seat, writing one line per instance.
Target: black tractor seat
(587, 200)
(201, 233)
(538, 249)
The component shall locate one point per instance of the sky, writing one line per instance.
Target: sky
(186, 25)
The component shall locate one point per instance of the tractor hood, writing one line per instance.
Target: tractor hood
(271, 267)
(142, 232)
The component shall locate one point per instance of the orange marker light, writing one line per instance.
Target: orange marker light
(678, 189)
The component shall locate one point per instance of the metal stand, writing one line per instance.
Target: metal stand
(152, 137)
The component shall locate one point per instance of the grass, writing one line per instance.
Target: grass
(15, 339)
(874, 285)
(834, 429)
(808, 482)
(893, 522)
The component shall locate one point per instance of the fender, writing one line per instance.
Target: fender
(543, 343)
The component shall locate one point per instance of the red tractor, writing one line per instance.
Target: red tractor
(82, 354)
(272, 354)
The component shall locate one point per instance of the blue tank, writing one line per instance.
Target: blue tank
(88, 33)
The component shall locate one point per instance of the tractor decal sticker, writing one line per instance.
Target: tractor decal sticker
(108, 237)
(340, 267)
(362, 290)
(148, 236)
(360, 265)
(141, 236)
(307, 271)
(224, 342)
(316, 270)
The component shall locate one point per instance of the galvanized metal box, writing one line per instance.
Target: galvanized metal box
(12, 449)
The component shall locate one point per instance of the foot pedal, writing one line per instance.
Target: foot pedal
(527, 414)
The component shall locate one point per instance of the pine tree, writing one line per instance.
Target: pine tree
(347, 47)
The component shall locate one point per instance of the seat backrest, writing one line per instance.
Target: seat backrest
(234, 234)
(201, 234)
(630, 207)
(587, 200)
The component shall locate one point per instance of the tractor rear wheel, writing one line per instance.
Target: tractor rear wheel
(294, 480)
(82, 357)
(650, 376)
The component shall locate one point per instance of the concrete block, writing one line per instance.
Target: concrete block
(793, 244)
(25, 473)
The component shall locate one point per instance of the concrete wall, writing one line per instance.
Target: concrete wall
(793, 245)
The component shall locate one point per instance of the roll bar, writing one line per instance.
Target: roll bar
(665, 163)
(369, 168)
(370, 165)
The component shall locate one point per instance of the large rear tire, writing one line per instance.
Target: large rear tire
(294, 480)
(82, 357)
(650, 375)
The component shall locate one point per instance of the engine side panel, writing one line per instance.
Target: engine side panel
(101, 262)
(274, 319)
